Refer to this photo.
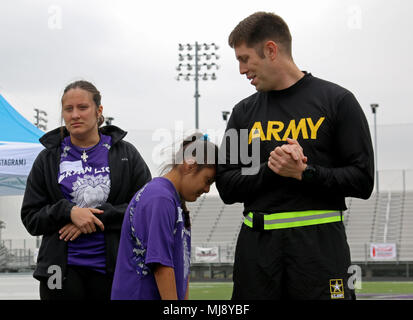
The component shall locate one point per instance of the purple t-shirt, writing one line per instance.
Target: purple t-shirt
(84, 180)
(153, 231)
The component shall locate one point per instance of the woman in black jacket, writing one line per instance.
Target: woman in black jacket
(76, 196)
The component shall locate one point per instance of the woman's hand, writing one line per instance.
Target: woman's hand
(84, 219)
(69, 232)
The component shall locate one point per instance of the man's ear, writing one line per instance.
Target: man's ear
(271, 49)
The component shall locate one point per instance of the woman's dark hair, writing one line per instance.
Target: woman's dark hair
(89, 87)
(198, 147)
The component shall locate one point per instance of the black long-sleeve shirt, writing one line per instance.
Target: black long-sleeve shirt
(328, 123)
(45, 210)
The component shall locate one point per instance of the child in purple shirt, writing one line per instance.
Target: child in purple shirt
(154, 251)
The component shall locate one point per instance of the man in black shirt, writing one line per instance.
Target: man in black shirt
(314, 150)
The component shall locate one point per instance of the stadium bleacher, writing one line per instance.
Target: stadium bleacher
(386, 217)
(406, 228)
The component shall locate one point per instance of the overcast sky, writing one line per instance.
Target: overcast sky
(129, 50)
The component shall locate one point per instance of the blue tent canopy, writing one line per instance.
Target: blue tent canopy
(14, 127)
(19, 147)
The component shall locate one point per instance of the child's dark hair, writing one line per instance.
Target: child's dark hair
(198, 147)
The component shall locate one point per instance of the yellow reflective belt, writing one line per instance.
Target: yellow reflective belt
(283, 220)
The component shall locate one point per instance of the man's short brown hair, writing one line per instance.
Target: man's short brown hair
(259, 27)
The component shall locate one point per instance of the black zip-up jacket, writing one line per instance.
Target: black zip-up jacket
(329, 124)
(45, 210)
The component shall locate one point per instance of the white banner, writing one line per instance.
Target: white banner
(383, 251)
(206, 254)
(16, 159)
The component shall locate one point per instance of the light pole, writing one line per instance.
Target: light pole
(197, 52)
(108, 120)
(225, 115)
(41, 123)
(374, 106)
(38, 119)
(2, 226)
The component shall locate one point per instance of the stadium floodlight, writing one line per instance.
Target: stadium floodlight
(194, 52)
(216, 47)
(109, 120)
(374, 107)
(225, 115)
(211, 65)
(40, 122)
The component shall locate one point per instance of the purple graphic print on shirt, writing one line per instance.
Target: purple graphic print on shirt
(153, 232)
(84, 180)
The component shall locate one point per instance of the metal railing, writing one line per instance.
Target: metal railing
(16, 259)
(396, 180)
(15, 255)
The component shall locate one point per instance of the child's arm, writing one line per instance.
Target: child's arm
(165, 280)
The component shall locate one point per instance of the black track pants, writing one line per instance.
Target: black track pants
(296, 263)
(80, 284)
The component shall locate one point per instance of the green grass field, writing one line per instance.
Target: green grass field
(210, 290)
(369, 290)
